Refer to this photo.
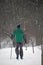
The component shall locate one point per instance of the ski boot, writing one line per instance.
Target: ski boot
(17, 57)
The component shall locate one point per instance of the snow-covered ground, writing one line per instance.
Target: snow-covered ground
(28, 59)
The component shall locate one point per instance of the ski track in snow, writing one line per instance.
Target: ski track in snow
(28, 59)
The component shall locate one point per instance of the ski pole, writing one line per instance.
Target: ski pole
(33, 47)
(11, 52)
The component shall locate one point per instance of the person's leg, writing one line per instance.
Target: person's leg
(21, 51)
(17, 50)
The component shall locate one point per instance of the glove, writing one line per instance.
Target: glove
(12, 36)
(25, 41)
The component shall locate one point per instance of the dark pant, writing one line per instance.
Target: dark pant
(19, 51)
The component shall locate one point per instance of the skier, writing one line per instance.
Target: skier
(19, 37)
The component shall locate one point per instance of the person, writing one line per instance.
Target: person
(19, 37)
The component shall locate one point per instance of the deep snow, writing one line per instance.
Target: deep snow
(28, 59)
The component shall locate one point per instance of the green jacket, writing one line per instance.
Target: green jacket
(19, 35)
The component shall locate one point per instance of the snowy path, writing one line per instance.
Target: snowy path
(29, 57)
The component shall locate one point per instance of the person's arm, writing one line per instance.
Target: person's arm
(25, 38)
